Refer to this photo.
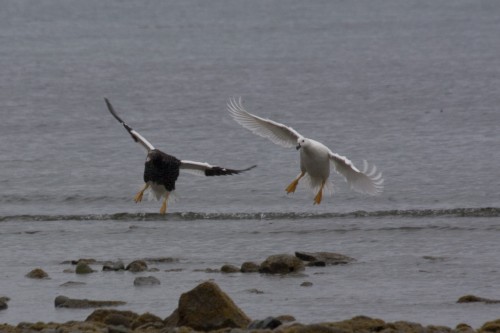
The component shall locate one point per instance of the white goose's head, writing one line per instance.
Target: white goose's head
(302, 142)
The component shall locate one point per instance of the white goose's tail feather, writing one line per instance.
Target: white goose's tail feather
(314, 183)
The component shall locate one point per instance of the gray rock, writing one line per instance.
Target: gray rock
(137, 266)
(475, 299)
(306, 284)
(324, 258)
(268, 323)
(83, 268)
(114, 266)
(281, 264)
(66, 302)
(229, 269)
(37, 273)
(72, 284)
(146, 281)
(249, 267)
(174, 270)
(207, 270)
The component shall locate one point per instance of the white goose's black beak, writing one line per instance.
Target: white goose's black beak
(298, 146)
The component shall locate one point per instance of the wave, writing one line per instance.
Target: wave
(191, 216)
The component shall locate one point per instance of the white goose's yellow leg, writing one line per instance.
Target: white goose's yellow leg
(163, 208)
(319, 196)
(138, 196)
(293, 185)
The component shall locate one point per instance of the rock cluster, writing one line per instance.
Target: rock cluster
(206, 308)
(285, 263)
(146, 281)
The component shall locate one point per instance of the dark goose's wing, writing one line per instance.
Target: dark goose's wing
(135, 135)
(205, 169)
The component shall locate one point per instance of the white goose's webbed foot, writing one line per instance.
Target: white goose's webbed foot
(293, 185)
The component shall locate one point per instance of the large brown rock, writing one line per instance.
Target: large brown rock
(281, 264)
(207, 307)
(490, 327)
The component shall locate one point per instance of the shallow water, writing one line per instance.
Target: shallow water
(410, 86)
(408, 268)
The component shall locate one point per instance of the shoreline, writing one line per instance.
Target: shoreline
(206, 308)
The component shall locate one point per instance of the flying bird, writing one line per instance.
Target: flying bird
(315, 157)
(161, 170)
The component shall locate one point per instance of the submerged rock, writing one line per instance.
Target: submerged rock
(160, 260)
(249, 267)
(306, 284)
(66, 302)
(72, 284)
(281, 264)
(474, 299)
(83, 268)
(37, 273)
(207, 270)
(207, 307)
(146, 281)
(254, 291)
(137, 266)
(114, 266)
(229, 269)
(324, 258)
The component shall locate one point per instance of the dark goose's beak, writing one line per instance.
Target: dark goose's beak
(298, 147)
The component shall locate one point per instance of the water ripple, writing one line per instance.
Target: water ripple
(191, 216)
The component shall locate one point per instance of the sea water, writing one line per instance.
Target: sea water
(410, 86)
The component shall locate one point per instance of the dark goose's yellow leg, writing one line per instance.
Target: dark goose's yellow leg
(138, 196)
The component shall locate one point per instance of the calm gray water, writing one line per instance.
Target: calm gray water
(410, 86)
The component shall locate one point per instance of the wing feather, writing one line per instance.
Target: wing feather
(366, 181)
(134, 134)
(205, 169)
(278, 133)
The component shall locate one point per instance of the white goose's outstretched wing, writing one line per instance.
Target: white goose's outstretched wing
(205, 169)
(366, 181)
(136, 136)
(278, 133)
